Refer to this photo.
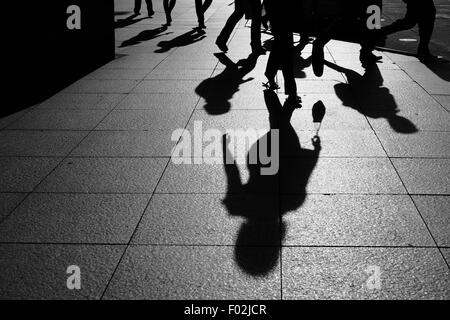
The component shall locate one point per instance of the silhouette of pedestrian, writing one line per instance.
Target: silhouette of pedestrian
(138, 5)
(422, 13)
(281, 16)
(240, 8)
(168, 7)
(200, 9)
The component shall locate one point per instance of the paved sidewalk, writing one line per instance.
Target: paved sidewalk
(87, 179)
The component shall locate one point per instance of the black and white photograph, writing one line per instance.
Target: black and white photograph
(249, 151)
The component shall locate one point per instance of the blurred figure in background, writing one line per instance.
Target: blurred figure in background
(251, 8)
(422, 13)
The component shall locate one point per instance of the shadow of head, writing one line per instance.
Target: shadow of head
(258, 246)
(218, 90)
(183, 40)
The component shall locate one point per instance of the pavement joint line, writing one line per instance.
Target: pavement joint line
(155, 188)
(53, 170)
(166, 245)
(411, 197)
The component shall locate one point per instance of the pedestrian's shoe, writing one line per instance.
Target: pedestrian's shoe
(136, 13)
(318, 58)
(151, 13)
(201, 25)
(221, 45)
(294, 100)
(271, 85)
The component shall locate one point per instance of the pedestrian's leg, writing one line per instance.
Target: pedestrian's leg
(200, 15)
(287, 64)
(408, 22)
(426, 26)
(273, 64)
(206, 5)
(150, 8)
(256, 27)
(137, 6)
(168, 7)
(234, 18)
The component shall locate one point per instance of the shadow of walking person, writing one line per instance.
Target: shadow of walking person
(190, 37)
(259, 201)
(366, 94)
(122, 23)
(145, 35)
(217, 91)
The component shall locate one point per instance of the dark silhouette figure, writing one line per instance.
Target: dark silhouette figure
(366, 94)
(183, 40)
(281, 16)
(217, 91)
(259, 200)
(422, 13)
(240, 7)
(168, 7)
(122, 23)
(138, 4)
(200, 9)
(145, 35)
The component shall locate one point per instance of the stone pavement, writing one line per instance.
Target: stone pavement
(87, 178)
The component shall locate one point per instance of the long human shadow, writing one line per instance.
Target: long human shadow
(188, 38)
(366, 94)
(128, 21)
(145, 35)
(218, 91)
(259, 201)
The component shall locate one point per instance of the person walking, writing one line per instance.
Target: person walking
(168, 7)
(421, 13)
(282, 16)
(200, 9)
(138, 5)
(240, 8)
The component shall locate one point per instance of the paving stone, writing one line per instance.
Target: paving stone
(74, 218)
(105, 175)
(210, 220)
(150, 101)
(150, 119)
(344, 273)
(46, 119)
(354, 220)
(166, 86)
(101, 86)
(23, 174)
(424, 176)
(8, 119)
(340, 175)
(421, 144)
(426, 77)
(82, 101)
(444, 100)
(8, 201)
(38, 143)
(191, 273)
(436, 213)
(118, 74)
(39, 271)
(153, 143)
